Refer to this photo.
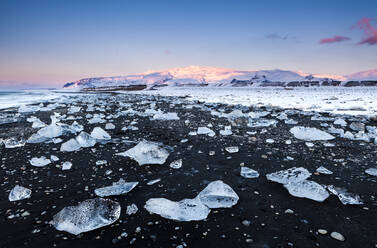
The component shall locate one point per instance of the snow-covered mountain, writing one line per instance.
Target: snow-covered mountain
(363, 75)
(213, 76)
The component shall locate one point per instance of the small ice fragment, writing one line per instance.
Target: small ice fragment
(100, 134)
(53, 158)
(310, 134)
(176, 164)
(344, 196)
(217, 194)
(118, 188)
(101, 162)
(184, 210)
(232, 149)
(165, 116)
(13, 143)
(37, 123)
(132, 209)
(66, 165)
(371, 171)
(323, 170)
(110, 126)
(19, 193)
(294, 174)
(307, 189)
(146, 152)
(205, 130)
(70, 146)
(227, 131)
(85, 140)
(357, 126)
(261, 122)
(340, 122)
(40, 162)
(151, 182)
(247, 172)
(270, 141)
(88, 215)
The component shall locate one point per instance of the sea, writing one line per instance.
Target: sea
(15, 98)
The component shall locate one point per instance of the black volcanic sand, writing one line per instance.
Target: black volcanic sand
(262, 202)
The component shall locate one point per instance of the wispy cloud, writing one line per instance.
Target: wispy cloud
(335, 39)
(277, 36)
(370, 32)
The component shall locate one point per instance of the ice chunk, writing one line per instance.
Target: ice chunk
(51, 131)
(70, 146)
(88, 215)
(151, 182)
(118, 188)
(110, 126)
(205, 130)
(344, 196)
(371, 171)
(165, 116)
(217, 194)
(85, 140)
(323, 170)
(19, 193)
(146, 152)
(227, 131)
(310, 133)
(101, 162)
(53, 158)
(37, 123)
(357, 126)
(247, 172)
(176, 164)
(100, 134)
(40, 162)
(307, 189)
(232, 149)
(294, 174)
(184, 210)
(13, 143)
(66, 166)
(340, 122)
(132, 209)
(261, 123)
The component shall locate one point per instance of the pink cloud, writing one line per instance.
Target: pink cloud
(334, 39)
(370, 33)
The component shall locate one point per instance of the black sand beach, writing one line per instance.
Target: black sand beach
(266, 215)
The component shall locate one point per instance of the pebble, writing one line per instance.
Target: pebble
(337, 236)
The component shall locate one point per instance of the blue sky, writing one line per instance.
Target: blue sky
(52, 42)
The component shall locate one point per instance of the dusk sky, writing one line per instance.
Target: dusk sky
(53, 42)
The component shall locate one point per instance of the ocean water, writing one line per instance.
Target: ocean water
(22, 97)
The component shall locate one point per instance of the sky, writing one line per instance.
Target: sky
(48, 43)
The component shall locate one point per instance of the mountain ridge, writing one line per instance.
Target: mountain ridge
(215, 76)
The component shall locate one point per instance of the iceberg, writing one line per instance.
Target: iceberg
(310, 134)
(13, 143)
(217, 194)
(184, 210)
(146, 152)
(118, 188)
(88, 215)
(19, 193)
